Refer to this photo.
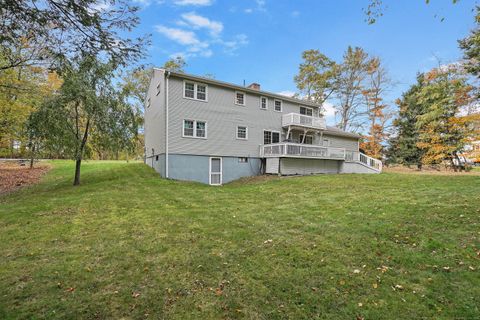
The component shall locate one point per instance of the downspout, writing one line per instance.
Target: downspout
(166, 123)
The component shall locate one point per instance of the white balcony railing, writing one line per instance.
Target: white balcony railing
(297, 150)
(296, 119)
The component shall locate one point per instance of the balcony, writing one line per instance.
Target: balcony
(300, 120)
(297, 150)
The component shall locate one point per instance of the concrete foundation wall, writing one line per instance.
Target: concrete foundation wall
(354, 167)
(291, 166)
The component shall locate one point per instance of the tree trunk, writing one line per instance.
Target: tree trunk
(32, 155)
(78, 163)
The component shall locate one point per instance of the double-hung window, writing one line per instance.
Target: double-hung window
(196, 91)
(277, 105)
(271, 137)
(263, 103)
(239, 98)
(242, 132)
(194, 129)
(306, 111)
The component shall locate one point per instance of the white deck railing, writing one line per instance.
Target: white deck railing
(297, 150)
(296, 119)
(363, 158)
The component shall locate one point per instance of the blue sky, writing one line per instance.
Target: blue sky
(262, 40)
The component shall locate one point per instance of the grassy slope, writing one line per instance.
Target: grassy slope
(197, 252)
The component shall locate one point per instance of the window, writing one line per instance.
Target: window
(263, 103)
(194, 129)
(148, 102)
(201, 92)
(271, 137)
(326, 142)
(156, 157)
(243, 160)
(278, 105)
(308, 139)
(158, 88)
(196, 91)
(242, 132)
(306, 111)
(189, 90)
(240, 98)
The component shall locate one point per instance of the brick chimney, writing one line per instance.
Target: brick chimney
(254, 86)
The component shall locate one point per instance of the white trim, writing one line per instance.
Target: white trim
(300, 111)
(281, 105)
(166, 122)
(244, 98)
(266, 103)
(195, 90)
(246, 133)
(210, 171)
(194, 129)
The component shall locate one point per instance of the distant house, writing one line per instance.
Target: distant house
(214, 132)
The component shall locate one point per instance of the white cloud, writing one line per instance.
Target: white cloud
(295, 13)
(329, 109)
(99, 7)
(260, 6)
(196, 21)
(193, 2)
(248, 10)
(231, 46)
(178, 35)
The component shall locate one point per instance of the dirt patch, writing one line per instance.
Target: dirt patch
(14, 176)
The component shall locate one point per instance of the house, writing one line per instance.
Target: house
(214, 132)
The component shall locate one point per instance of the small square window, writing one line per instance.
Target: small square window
(242, 132)
(278, 105)
(243, 160)
(159, 88)
(263, 103)
(148, 103)
(240, 98)
(188, 128)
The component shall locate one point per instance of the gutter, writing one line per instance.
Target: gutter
(166, 123)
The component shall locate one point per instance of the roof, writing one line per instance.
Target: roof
(242, 88)
(340, 132)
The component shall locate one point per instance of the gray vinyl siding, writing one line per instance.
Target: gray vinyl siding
(222, 116)
(155, 116)
(350, 144)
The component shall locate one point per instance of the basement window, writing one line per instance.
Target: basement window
(243, 160)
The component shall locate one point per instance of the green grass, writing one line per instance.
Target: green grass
(134, 246)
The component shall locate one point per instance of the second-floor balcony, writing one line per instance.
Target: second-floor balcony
(298, 150)
(301, 120)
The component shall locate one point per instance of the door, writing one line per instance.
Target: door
(215, 171)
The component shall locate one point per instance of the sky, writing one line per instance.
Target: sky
(262, 40)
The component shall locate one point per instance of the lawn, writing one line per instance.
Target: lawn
(127, 244)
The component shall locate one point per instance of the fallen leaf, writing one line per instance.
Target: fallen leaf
(375, 285)
(135, 294)
(70, 289)
(356, 271)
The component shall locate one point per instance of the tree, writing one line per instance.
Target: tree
(350, 78)
(34, 32)
(471, 50)
(176, 64)
(403, 147)
(88, 103)
(443, 130)
(377, 83)
(316, 78)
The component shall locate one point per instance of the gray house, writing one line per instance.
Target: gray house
(214, 132)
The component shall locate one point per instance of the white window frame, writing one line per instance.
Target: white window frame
(274, 105)
(308, 108)
(244, 98)
(272, 131)
(210, 171)
(194, 129)
(266, 103)
(195, 90)
(246, 133)
(242, 159)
